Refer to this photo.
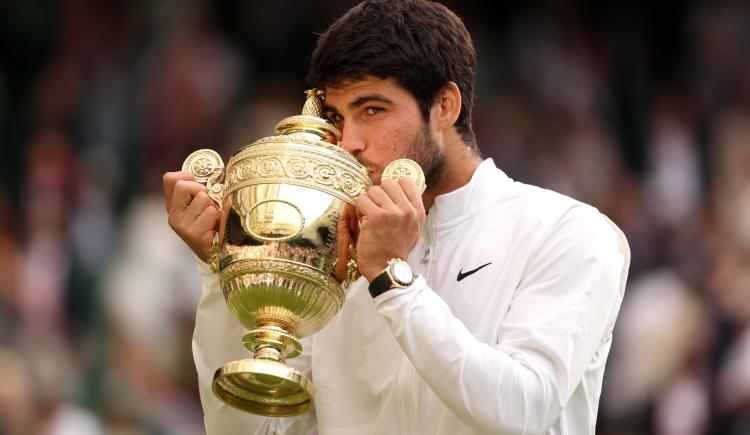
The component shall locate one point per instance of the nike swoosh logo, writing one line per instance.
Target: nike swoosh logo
(462, 274)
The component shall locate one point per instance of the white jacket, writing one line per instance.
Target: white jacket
(517, 347)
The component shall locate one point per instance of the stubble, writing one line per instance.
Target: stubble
(429, 155)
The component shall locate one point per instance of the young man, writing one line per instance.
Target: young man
(506, 327)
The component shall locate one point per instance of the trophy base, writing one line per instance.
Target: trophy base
(263, 387)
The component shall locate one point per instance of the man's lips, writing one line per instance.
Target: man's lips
(372, 171)
(374, 176)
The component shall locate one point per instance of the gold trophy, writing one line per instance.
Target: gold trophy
(284, 249)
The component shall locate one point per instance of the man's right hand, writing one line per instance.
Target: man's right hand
(193, 215)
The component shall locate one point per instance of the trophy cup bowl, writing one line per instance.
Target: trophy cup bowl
(283, 251)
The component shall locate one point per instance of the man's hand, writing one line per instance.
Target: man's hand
(193, 215)
(392, 215)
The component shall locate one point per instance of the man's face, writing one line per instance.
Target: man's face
(381, 122)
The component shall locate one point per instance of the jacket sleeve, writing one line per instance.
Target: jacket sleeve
(563, 308)
(217, 340)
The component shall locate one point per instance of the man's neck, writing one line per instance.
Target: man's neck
(460, 164)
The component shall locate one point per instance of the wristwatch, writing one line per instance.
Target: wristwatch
(397, 274)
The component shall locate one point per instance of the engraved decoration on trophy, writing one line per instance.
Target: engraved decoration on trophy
(405, 168)
(284, 250)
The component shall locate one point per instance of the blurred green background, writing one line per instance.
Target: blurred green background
(639, 108)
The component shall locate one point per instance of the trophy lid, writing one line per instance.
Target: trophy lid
(305, 151)
(311, 120)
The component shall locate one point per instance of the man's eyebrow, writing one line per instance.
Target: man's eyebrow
(328, 108)
(359, 102)
(367, 99)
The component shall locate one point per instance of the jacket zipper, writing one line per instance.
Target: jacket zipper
(427, 249)
(406, 399)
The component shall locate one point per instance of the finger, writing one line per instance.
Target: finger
(169, 180)
(347, 212)
(377, 196)
(351, 218)
(365, 206)
(412, 193)
(206, 225)
(358, 214)
(200, 202)
(342, 225)
(396, 193)
(354, 228)
(208, 219)
(183, 193)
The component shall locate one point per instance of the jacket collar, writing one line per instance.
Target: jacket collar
(486, 180)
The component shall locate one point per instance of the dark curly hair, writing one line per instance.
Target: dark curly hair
(420, 44)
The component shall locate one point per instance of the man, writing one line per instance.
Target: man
(507, 326)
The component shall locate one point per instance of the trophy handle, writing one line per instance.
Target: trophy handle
(208, 168)
(352, 270)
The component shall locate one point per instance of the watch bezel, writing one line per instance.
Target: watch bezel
(395, 279)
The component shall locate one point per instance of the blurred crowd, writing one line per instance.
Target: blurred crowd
(639, 108)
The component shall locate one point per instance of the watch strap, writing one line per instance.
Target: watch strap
(380, 284)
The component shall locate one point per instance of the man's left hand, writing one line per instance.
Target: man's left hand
(391, 217)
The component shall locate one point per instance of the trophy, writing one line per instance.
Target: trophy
(284, 249)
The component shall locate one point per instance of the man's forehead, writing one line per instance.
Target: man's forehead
(351, 87)
(348, 91)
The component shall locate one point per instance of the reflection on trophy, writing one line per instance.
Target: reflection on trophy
(284, 250)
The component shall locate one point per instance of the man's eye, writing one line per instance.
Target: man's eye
(334, 117)
(373, 110)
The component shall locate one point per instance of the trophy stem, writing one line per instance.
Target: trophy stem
(265, 351)
(272, 341)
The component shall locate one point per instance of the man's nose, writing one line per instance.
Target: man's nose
(352, 140)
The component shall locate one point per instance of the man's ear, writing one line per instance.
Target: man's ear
(447, 106)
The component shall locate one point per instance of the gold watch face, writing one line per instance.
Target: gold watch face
(401, 273)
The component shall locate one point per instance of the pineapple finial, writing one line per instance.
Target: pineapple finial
(314, 103)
